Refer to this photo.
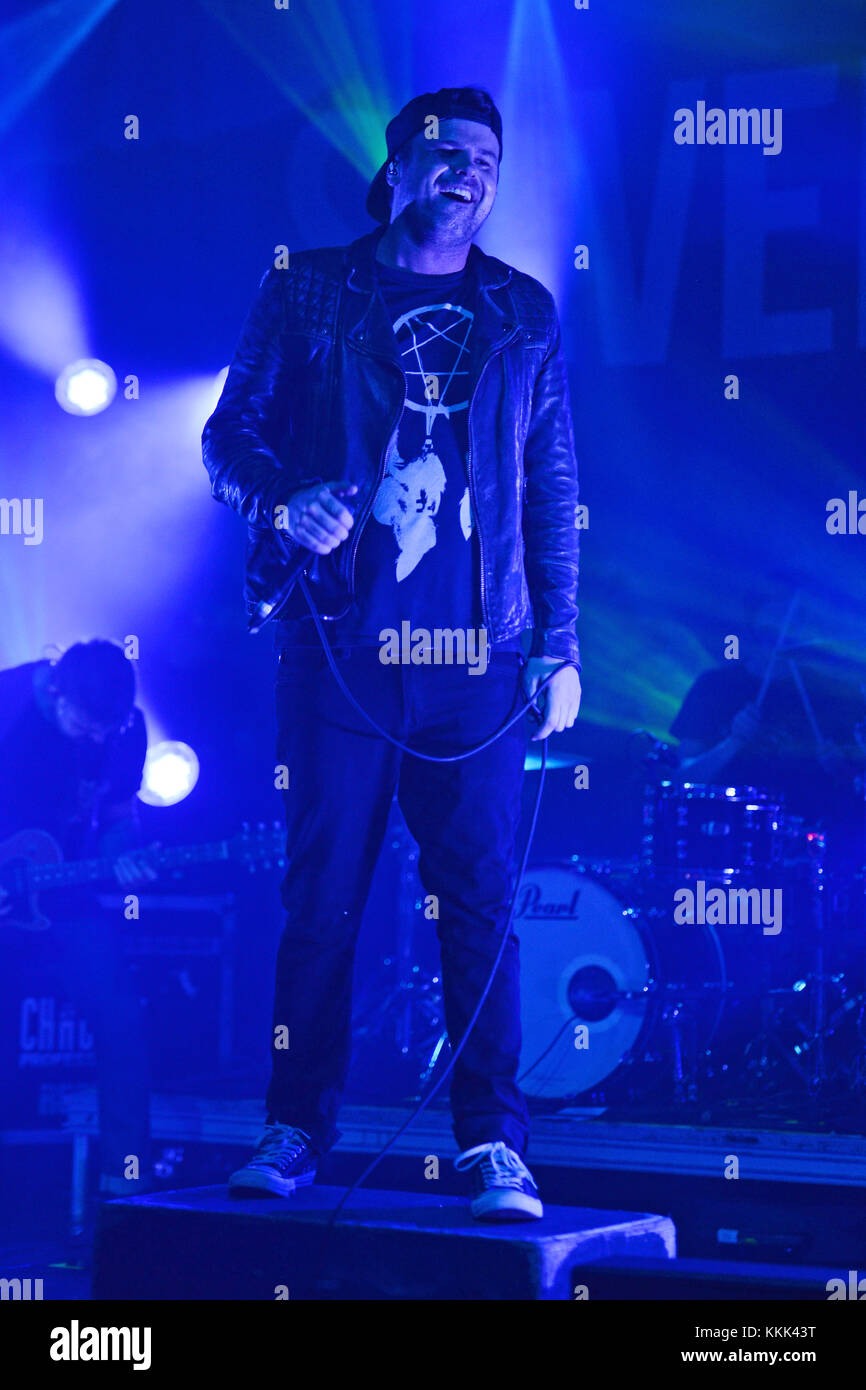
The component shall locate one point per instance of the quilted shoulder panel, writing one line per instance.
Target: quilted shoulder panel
(311, 291)
(533, 304)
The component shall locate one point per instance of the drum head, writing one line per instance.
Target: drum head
(581, 956)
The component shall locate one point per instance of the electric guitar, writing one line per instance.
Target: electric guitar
(32, 860)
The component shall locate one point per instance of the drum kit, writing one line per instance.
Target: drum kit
(628, 1002)
(627, 1006)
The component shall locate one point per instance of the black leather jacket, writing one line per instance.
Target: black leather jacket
(315, 391)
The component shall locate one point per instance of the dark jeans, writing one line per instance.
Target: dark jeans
(464, 816)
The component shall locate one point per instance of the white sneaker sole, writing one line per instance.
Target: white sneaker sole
(507, 1206)
(268, 1184)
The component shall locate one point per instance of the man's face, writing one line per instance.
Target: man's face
(75, 723)
(446, 187)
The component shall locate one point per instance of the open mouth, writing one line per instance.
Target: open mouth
(457, 195)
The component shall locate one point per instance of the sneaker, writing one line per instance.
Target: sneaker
(283, 1162)
(503, 1189)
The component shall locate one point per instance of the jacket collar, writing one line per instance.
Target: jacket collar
(371, 329)
(360, 257)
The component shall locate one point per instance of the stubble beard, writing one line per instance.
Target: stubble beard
(447, 231)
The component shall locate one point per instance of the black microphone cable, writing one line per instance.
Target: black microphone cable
(530, 703)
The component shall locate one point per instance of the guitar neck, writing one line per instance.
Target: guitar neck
(101, 870)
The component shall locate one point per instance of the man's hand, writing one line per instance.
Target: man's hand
(317, 518)
(747, 726)
(133, 868)
(560, 700)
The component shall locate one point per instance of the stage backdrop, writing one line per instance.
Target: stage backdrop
(710, 275)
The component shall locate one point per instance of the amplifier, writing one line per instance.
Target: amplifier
(180, 956)
(180, 953)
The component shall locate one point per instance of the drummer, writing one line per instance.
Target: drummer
(799, 743)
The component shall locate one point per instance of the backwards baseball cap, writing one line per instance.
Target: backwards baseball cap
(449, 103)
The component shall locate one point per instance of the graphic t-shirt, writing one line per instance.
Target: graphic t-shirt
(418, 558)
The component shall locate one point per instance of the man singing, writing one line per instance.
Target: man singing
(422, 383)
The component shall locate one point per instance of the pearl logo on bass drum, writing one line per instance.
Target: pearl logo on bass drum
(533, 905)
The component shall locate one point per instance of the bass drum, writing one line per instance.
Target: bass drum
(598, 977)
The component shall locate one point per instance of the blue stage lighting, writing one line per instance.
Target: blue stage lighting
(170, 773)
(85, 387)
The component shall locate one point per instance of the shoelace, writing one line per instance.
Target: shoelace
(499, 1164)
(276, 1141)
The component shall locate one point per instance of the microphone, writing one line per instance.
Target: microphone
(297, 565)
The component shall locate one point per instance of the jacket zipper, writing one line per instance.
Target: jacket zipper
(358, 530)
(475, 511)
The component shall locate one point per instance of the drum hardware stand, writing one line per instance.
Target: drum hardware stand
(820, 979)
(685, 1083)
(432, 1061)
(815, 1076)
(855, 1001)
(821, 1028)
(768, 1040)
(687, 1065)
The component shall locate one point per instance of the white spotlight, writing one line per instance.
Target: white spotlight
(170, 773)
(85, 387)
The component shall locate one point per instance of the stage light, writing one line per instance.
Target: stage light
(85, 387)
(35, 44)
(42, 319)
(327, 38)
(536, 98)
(170, 773)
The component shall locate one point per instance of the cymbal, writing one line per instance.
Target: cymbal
(554, 761)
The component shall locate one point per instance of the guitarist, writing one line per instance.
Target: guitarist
(72, 749)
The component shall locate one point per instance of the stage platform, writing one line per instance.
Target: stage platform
(799, 1196)
(202, 1244)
